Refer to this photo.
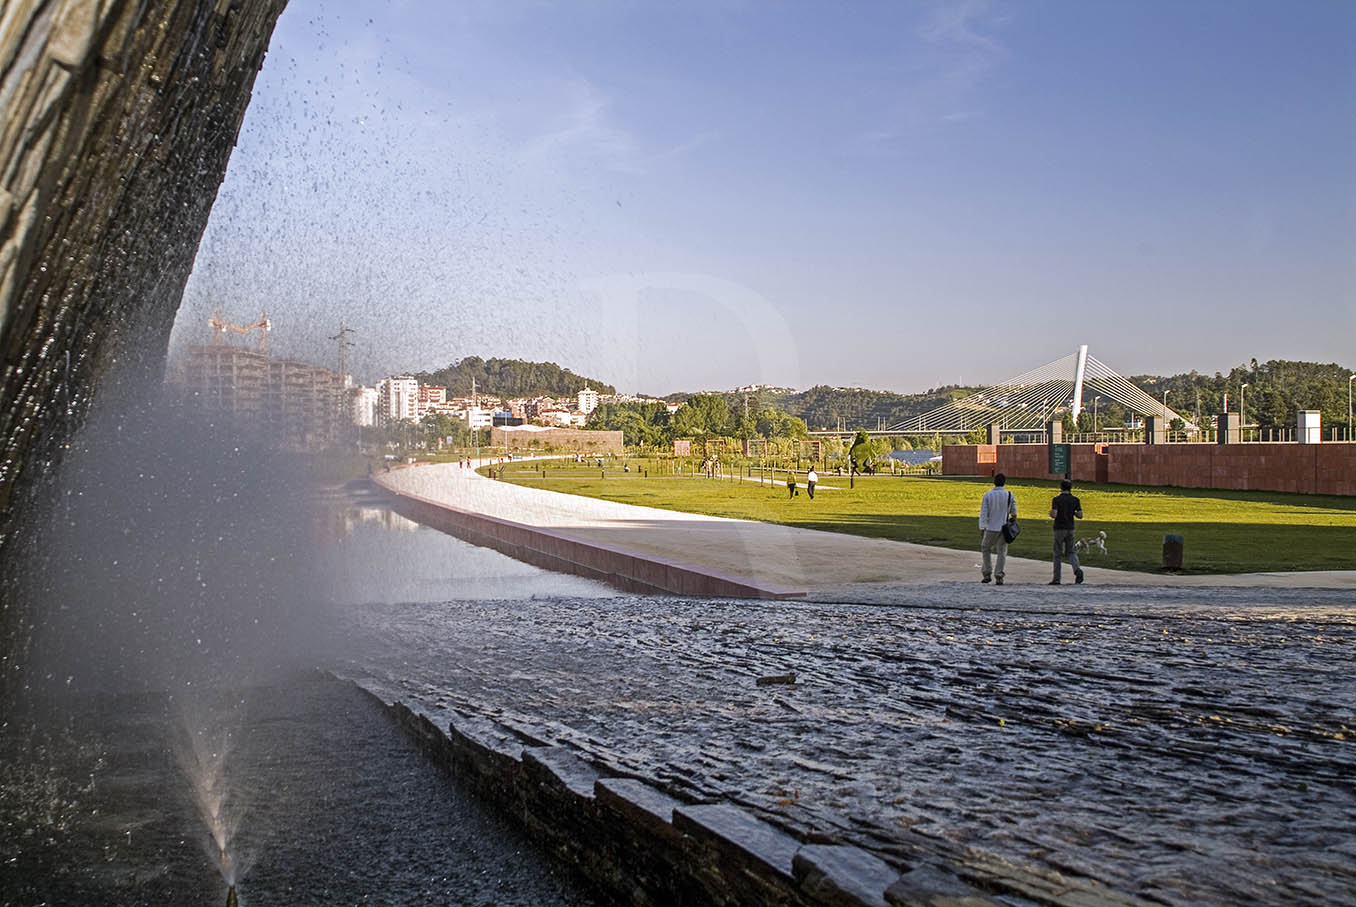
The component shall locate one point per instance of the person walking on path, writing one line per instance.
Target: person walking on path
(995, 508)
(1064, 509)
(791, 491)
(811, 479)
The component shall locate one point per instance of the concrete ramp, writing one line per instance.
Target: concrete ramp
(643, 549)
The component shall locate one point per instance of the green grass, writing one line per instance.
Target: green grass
(1224, 531)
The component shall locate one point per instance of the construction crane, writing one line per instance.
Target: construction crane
(220, 327)
(344, 344)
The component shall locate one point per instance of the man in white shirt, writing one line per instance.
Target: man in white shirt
(995, 508)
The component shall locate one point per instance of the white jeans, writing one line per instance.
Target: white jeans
(994, 541)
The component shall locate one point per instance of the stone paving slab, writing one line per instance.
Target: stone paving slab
(822, 564)
(1190, 754)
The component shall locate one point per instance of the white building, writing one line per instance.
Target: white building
(364, 401)
(588, 400)
(478, 417)
(398, 399)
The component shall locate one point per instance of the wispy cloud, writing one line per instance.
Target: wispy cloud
(938, 74)
(959, 50)
(587, 129)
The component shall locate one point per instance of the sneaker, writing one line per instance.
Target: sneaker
(998, 581)
(984, 580)
(1078, 577)
(1053, 582)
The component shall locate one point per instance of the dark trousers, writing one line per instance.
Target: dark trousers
(1064, 547)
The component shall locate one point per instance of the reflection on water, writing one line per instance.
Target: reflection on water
(375, 555)
(353, 517)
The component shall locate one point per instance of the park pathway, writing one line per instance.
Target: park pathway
(786, 560)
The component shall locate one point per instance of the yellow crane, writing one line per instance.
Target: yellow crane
(220, 327)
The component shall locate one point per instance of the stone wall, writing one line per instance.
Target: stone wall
(1328, 468)
(592, 443)
(634, 843)
(117, 123)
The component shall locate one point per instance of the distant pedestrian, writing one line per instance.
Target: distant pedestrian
(791, 491)
(1064, 509)
(995, 508)
(811, 480)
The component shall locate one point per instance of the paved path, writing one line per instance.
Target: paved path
(825, 565)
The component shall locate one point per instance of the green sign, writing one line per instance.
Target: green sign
(1059, 459)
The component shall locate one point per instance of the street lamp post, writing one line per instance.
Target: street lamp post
(1349, 380)
(1242, 413)
(1098, 397)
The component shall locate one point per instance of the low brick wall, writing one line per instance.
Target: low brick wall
(635, 843)
(1301, 468)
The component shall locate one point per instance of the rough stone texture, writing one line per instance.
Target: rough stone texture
(640, 804)
(118, 121)
(738, 858)
(928, 886)
(1122, 746)
(843, 875)
(630, 841)
(557, 767)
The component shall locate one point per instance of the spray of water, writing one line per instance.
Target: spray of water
(176, 561)
(210, 728)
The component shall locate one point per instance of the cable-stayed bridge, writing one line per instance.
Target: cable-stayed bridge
(1028, 402)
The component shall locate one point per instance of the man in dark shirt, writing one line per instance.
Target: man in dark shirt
(1064, 509)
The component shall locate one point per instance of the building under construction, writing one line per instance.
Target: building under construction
(295, 404)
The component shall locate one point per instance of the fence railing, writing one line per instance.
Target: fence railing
(1250, 435)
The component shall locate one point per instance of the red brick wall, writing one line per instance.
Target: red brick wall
(1303, 468)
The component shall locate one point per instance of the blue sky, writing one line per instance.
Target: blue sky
(891, 195)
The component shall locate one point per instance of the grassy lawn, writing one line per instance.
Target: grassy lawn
(1224, 531)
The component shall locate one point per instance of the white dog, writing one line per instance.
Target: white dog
(1097, 541)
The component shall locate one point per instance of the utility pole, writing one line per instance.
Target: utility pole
(345, 417)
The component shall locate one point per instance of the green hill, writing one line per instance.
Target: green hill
(511, 378)
(1275, 391)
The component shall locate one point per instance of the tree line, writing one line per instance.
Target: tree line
(1275, 391)
(511, 378)
(704, 416)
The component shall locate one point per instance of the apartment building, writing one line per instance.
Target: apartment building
(296, 404)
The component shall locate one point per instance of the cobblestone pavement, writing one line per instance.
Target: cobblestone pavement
(1187, 746)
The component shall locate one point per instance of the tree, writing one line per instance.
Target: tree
(704, 416)
(511, 378)
(639, 423)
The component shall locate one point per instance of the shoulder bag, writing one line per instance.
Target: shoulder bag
(1010, 528)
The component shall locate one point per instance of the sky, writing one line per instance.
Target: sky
(895, 195)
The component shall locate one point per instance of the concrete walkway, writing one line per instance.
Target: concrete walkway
(820, 565)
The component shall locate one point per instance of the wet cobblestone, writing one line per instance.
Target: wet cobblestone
(1186, 746)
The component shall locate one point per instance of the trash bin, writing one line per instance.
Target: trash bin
(1172, 552)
